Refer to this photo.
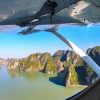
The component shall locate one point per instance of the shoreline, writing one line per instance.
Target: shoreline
(50, 75)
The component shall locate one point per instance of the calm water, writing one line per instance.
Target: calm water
(31, 86)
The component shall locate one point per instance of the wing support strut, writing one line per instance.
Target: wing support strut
(82, 54)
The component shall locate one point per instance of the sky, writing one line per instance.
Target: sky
(13, 45)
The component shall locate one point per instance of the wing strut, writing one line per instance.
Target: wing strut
(82, 54)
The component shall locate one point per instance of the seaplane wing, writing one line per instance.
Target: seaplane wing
(29, 12)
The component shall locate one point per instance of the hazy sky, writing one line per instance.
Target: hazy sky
(14, 45)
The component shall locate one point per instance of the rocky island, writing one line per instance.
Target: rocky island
(70, 68)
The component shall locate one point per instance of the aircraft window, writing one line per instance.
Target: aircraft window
(50, 49)
(34, 63)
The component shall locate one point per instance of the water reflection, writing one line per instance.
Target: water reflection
(25, 75)
(15, 85)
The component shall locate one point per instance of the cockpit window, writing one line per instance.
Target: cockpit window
(37, 64)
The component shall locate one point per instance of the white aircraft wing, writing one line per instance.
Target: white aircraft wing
(26, 11)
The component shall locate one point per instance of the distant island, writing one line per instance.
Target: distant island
(70, 68)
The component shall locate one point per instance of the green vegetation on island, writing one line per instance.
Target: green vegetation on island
(68, 65)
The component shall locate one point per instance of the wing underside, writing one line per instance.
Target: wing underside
(27, 12)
